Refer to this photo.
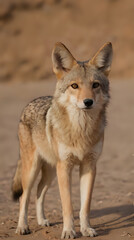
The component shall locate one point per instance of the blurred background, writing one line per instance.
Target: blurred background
(29, 29)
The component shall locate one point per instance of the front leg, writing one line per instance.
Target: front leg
(87, 177)
(64, 180)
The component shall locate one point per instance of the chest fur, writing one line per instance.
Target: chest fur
(80, 153)
(76, 134)
(82, 138)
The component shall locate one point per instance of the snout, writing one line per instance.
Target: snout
(88, 102)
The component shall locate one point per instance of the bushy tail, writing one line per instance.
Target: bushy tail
(17, 184)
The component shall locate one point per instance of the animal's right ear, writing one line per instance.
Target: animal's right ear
(62, 60)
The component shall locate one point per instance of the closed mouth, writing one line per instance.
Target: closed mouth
(88, 107)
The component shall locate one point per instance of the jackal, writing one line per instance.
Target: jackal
(55, 133)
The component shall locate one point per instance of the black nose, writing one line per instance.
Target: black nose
(88, 102)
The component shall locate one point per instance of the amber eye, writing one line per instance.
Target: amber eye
(74, 85)
(96, 85)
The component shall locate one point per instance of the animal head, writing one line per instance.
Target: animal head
(84, 85)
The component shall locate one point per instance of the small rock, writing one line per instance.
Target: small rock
(129, 194)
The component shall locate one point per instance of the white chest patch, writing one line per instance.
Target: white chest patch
(65, 151)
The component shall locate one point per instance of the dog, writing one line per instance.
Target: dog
(56, 133)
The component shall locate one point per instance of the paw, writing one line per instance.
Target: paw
(44, 222)
(23, 230)
(88, 232)
(66, 234)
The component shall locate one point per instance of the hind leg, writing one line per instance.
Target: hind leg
(30, 169)
(48, 174)
(27, 183)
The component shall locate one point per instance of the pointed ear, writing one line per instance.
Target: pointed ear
(103, 58)
(62, 60)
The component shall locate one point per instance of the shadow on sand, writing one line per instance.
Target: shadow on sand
(124, 218)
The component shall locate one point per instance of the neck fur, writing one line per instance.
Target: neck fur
(77, 125)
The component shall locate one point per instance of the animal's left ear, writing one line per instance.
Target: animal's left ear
(62, 60)
(103, 58)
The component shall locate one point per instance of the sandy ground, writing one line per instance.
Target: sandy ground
(28, 31)
(112, 212)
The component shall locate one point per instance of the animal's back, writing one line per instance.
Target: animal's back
(35, 112)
